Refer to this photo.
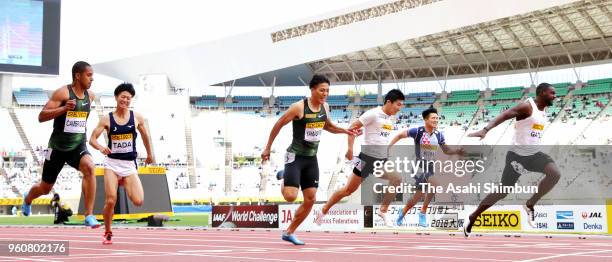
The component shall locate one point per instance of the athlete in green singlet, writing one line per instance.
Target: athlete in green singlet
(69, 108)
(310, 117)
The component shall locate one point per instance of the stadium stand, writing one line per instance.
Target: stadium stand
(207, 102)
(31, 96)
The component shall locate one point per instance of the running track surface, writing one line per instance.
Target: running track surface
(167, 244)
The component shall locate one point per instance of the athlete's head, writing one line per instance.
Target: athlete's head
(430, 116)
(394, 101)
(546, 93)
(124, 94)
(319, 88)
(82, 73)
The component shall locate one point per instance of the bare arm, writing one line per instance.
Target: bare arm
(330, 126)
(93, 140)
(351, 139)
(145, 138)
(398, 137)
(447, 150)
(53, 107)
(92, 96)
(292, 113)
(519, 111)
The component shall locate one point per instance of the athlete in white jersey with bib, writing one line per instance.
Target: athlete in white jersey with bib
(531, 120)
(378, 125)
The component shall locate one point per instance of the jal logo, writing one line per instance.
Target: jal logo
(586, 215)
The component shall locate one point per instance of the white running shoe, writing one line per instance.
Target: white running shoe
(319, 217)
(383, 216)
(530, 216)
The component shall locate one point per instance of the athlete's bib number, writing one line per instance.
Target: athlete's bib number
(313, 131)
(76, 122)
(122, 143)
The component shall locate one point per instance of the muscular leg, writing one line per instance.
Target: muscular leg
(394, 181)
(347, 190)
(110, 189)
(38, 190)
(552, 176)
(133, 188)
(302, 212)
(86, 166)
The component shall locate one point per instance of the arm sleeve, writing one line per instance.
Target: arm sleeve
(442, 140)
(367, 117)
(412, 132)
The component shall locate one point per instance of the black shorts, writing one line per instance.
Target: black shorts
(301, 171)
(517, 164)
(422, 178)
(364, 165)
(55, 160)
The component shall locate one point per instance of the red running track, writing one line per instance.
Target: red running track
(167, 244)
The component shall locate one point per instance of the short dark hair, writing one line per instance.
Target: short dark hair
(542, 87)
(429, 111)
(79, 67)
(125, 87)
(394, 95)
(318, 79)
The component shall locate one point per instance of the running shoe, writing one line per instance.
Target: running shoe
(400, 219)
(422, 220)
(25, 208)
(91, 221)
(108, 238)
(291, 238)
(319, 217)
(383, 216)
(530, 216)
(467, 229)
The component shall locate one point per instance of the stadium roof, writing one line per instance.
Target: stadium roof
(562, 34)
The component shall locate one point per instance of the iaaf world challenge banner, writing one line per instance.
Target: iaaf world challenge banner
(245, 216)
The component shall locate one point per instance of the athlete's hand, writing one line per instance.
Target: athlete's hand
(105, 151)
(460, 151)
(70, 104)
(265, 155)
(349, 154)
(355, 131)
(482, 133)
(150, 160)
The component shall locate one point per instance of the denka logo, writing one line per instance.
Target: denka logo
(592, 226)
(586, 215)
(565, 215)
(499, 220)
